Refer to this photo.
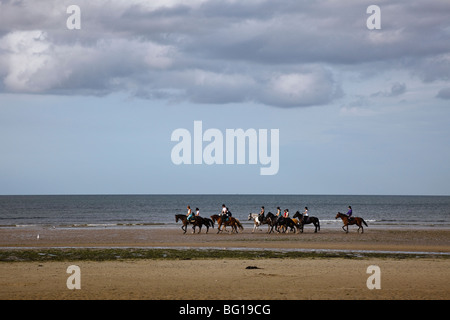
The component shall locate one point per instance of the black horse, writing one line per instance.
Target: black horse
(285, 223)
(308, 220)
(196, 221)
(271, 221)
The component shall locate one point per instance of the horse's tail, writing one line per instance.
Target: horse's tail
(318, 224)
(364, 222)
(210, 222)
(239, 224)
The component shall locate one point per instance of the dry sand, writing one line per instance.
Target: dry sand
(303, 278)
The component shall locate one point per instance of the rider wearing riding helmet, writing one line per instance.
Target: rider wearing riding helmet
(349, 213)
(261, 213)
(305, 215)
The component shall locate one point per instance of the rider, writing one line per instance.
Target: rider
(190, 214)
(278, 213)
(349, 213)
(228, 213)
(286, 213)
(261, 213)
(224, 212)
(197, 212)
(305, 215)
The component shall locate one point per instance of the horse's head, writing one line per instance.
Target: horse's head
(297, 214)
(338, 215)
(250, 216)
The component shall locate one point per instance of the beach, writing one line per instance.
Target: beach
(413, 264)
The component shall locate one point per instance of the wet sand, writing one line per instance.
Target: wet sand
(427, 240)
(280, 278)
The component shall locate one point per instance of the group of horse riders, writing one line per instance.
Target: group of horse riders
(304, 218)
(225, 213)
(305, 213)
(300, 219)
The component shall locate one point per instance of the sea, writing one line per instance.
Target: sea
(144, 211)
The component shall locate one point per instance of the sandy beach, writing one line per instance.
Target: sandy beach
(402, 277)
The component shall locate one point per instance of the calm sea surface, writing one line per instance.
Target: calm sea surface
(124, 211)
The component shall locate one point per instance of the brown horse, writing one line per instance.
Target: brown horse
(349, 221)
(233, 222)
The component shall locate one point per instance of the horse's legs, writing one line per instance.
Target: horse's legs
(360, 227)
(343, 228)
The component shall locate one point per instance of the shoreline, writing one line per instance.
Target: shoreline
(330, 224)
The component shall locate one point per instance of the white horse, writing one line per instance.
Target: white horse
(256, 220)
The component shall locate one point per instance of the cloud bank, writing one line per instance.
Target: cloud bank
(281, 53)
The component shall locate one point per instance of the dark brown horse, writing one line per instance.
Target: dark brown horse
(308, 220)
(196, 221)
(285, 223)
(349, 221)
(233, 222)
(271, 220)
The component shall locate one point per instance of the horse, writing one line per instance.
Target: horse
(354, 220)
(308, 220)
(257, 220)
(198, 222)
(233, 222)
(207, 222)
(283, 222)
(271, 221)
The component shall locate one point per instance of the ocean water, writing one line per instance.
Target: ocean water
(128, 211)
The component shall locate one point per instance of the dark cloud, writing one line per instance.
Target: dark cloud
(281, 53)
(396, 90)
(444, 93)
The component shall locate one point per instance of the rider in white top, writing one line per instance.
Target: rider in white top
(305, 214)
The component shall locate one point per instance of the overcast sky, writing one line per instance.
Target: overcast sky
(359, 111)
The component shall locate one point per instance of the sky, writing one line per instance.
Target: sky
(90, 108)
